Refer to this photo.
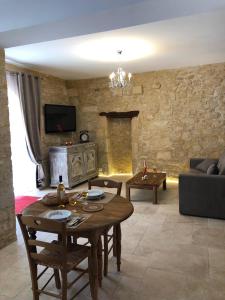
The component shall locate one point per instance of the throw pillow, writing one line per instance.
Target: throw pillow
(212, 169)
(204, 165)
(221, 164)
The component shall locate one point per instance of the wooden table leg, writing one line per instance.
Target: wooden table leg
(118, 246)
(155, 201)
(127, 192)
(94, 266)
(99, 254)
(164, 185)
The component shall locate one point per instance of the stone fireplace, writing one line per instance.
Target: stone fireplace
(120, 146)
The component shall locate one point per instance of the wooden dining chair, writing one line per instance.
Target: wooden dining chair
(60, 255)
(107, 237)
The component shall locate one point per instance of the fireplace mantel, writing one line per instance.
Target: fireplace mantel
(122, 114)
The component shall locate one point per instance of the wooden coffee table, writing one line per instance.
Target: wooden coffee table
(152, 182)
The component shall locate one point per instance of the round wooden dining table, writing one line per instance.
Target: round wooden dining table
(117, 210)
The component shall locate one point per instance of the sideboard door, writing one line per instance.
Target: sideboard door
(76, 168)
(90, 161)
(58, 166)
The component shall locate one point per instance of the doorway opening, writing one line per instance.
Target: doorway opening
(120, 146)
(24, 170)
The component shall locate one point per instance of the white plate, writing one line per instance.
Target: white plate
(58, 214)
(95, 194)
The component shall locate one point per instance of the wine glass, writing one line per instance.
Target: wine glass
(84, 197)
(154, 171)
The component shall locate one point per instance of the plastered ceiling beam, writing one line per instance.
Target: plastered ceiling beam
(26, 22)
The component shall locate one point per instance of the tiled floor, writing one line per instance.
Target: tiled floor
(165, 256)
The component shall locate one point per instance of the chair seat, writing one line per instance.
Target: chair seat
(53, 259)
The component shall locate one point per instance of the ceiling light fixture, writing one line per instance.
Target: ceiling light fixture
(119, 78)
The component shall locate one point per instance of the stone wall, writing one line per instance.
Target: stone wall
(182, 115)
(7, 214)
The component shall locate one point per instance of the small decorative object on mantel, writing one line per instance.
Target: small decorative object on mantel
(68, 143)
(144, 171)
(84, 136)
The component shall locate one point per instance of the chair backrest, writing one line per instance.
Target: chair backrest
(30, 225)
(107, 183)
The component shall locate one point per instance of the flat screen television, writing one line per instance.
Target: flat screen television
(59, 118)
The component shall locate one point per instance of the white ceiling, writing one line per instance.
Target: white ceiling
(185, 41)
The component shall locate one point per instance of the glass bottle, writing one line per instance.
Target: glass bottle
(145, 168)
(60, 190)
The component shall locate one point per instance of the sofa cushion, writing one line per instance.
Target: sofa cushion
(194, 172)
(221, 164)
(205, 164)
(213, 169)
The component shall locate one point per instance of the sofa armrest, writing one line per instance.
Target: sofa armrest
(202, 195)
(195, 161)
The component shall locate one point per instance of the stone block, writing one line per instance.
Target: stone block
(72, 92)
(137, 90)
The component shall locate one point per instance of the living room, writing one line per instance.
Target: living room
(171, 111)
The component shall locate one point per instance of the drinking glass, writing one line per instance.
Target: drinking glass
(154, 169)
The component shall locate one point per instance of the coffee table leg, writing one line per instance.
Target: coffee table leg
(155, 201)
(128, 192)
(164, 185)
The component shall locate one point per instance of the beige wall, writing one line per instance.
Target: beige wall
(7, 214)
(182, 115)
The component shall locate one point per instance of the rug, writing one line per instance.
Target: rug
(22, 202)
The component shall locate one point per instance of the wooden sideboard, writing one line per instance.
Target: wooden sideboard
(75, 163)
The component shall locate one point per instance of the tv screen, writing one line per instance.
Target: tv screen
(59, 118)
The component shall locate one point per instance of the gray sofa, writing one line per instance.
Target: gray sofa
(201, 194)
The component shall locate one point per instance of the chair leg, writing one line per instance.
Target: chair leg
(64, 285)
(34, 281)
(118, 246)
(57, 279)
(105, 254)
(114, 241)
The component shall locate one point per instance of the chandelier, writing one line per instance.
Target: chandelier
(119, 78)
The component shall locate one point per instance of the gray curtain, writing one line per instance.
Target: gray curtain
(29, 94)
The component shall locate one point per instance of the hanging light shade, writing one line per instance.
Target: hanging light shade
(119, 78)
